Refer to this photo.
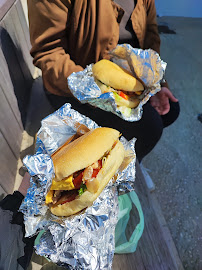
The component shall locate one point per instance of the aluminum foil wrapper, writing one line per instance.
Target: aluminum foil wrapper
(143, 64)
(85, 240)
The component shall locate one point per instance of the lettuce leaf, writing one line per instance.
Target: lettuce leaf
(82, 189)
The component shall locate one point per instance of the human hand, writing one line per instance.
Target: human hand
(160, 101)
(24, 184)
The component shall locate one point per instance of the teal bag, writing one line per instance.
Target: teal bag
(122, 245)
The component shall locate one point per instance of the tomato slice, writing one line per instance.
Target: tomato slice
(100, 163)
(121, 94)
(95, 172)
(78, 180)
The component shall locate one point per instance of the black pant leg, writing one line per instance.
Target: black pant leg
(172, 115)
(12, 203)
(147, 130)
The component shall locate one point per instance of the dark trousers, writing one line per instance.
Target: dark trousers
(12, 231)
(147, 130)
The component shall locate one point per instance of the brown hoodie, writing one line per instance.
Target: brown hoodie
(67, 35)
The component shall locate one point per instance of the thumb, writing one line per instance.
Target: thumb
(170, 95)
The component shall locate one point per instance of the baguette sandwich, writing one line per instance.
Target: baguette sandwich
(82, 170)
(112, 78)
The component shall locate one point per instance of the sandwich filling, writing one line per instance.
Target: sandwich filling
(76, 184)
(125, 100)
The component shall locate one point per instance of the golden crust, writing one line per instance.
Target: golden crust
(114, 76)
(83, 152)
(111, 165)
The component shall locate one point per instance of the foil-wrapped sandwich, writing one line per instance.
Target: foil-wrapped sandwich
(121, 85)
(77, 172)
(83, 168)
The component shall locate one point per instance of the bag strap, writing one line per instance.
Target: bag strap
(122, 245)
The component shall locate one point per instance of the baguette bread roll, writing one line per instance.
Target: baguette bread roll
(116, 77)
(99, 151)
(111, 165)
(83, 152)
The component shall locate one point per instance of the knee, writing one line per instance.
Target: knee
(149, 138)
(172, 115)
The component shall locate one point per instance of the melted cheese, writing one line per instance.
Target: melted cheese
(64, 184)
(49, 197)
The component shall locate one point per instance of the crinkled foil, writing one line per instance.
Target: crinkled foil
(85, 240)
(144, 64)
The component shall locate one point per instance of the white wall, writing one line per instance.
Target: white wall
(24, 7)
(182, 8)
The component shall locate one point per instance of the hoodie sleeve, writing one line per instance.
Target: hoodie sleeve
(47, 22)
(152, 39)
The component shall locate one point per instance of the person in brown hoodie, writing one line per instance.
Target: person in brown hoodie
(68, 35)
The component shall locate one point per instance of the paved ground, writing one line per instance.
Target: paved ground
(175, 163)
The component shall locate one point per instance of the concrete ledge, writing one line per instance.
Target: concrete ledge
(39, 108)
